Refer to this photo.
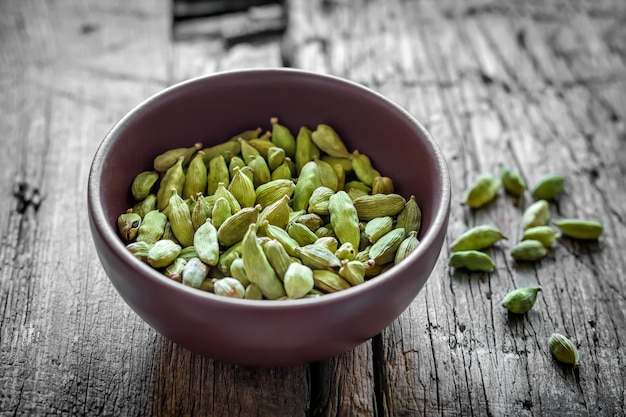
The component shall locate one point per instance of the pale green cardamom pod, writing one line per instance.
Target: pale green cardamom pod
(318, 202)
(238, 271)
(262, 145)
(180, 219)
(175, 269)
(228, 256)
(275, 157)
(301, 234)
(202, 209)
(282, 172)
(144, 206)
(194, 272)
(353, 271)
(482, 191)
(248, 152)
(580, 228)
(247, 134)
(235, 162)
(327, 140)
(369, 207)
(166, 160)
(536, 214)
(163, 253)
(306, 150)
(377, 227)
(174, 178)
(329, 281)
(478, 237)
(317, 257)
(229, 287)
(143, 183)
(363, 168)
(345, 252)
(282, 137)
(344, 218)
(410, 218)
(222, 191)
(281, 235)
(140, 250)
(152, 227)
(262, 174)
(327, 174)
(308, 181)
(273, 191)
(218, 173)
(276, 213)
(298, 280)
(236, 226)
(384, 250)
(188, 253)
(472, 260)
(408, 245)
(206, 243)
(563, 349)
(242, 187)
(310, 220)
(278, 257)
(258, 268)
(520, 300)
(512, 181)
(253, 292)
(325, 231)
(549, 187)
(328, 242)
(196, 176)
(345, 163)
(544, 234)
(225, 150)
(357, 185)
(355, 193)
(528, 250)
(221, 212)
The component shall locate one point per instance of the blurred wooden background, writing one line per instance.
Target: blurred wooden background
(537, 85)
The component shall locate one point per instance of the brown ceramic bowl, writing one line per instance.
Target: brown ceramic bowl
(213, 108)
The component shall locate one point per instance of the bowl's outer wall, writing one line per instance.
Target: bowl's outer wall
(213, 109)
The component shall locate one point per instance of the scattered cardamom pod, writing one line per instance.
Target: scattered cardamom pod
(528, 250)
(472, 260)
(544, 234)
(549, 187)
(536, 214)
(520, 300)
(482, 191)
(512, 181)
(563, 349)
(478, 237)
(580, 228)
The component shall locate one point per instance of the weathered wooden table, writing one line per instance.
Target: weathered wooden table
(537, 85)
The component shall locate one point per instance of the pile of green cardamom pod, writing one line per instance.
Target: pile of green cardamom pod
(269, 216)
(537, 239)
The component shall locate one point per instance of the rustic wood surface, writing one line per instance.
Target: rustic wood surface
(537, 85)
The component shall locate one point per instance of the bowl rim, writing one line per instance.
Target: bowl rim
(111, 238)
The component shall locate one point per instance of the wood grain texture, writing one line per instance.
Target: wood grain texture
(537, 85)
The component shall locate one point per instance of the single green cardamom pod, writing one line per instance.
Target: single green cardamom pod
(472, 260)
(344, 218)
(238, 271)
(226, 150)
(345, 252)
(128, 225)
(228, 256)
(143, 183)
(317, 257)
(378, 227)
(543, 234)
(281, 235)
(580, 228)
(221, 212)
(536, 214)
(163, 253)
(282, 172)
(278, 257)
(345, 163)
(196, 176)
(262, 174)
(218, 173)
(242, 187)
(384, 250)
(353, 271)
(248, 152)
(276, 213)
(563, 349)
(410, 218)
(341, 176)
(140, 249)
(195, 272)
(228, 287)
(369, 207)
(188, 253)
(327, 174)
(310, 220)
(308, 181)
(482, 191)
(327, 140)
(328, 242)
(223, 192)
(357, 185)
(528, 250)
(520, 300)
(253, 292)
(152, 227)
(258, 268)
(273, 191)
(298, 280)
(408, 245)
(236, 226)
(247, 134)
(325, 231)
(355, 193)
(549, 187)
(282, 137)
(306, 150)
(363, 168)
(235, 162)
(382, 185)
(512, 181)
(262, 144)
(318, 202)
(174, 178)
(479, 237)
(166, 160)
(301, 234)
(329, 281)
(180, 219)
(206, 243)
(146, 205)
(175, 269)
(275, 157)
(202, 209)
(248, 171)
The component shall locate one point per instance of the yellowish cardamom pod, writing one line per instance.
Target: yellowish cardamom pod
(472, 260)
(282, 172)
(221, 211)
(328, 176)
(273, 191)
(345, 252)
(306, 150)
(226, 150)
(128, 225)
(180, 219)
(318, 202)
(329, 281)
(174, 178)
(144, 206)
(140, 249)
(242, 187)
(301, 234)
(563, 349)
(235, 227)
(196, 176)
(175, 269)
(258, 268)
(520, 300)
(253, 292)
(410, 218)
(512, 181)
(276, 213)
(317, 257)
(223, 192)
(344, 218)
(218, 173)
(382, 185)
(369, 207)
(544, 234)
(167, 159)
(201, 209)
(580, 228)
(353, 271)
(143, 183)
(478, 237)
(482, 191)
(282, 137)
(261, 172)
(327, 140)
(275, 157)
(247, 134)
(363, 168)
(328, 242)
(549, 187)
